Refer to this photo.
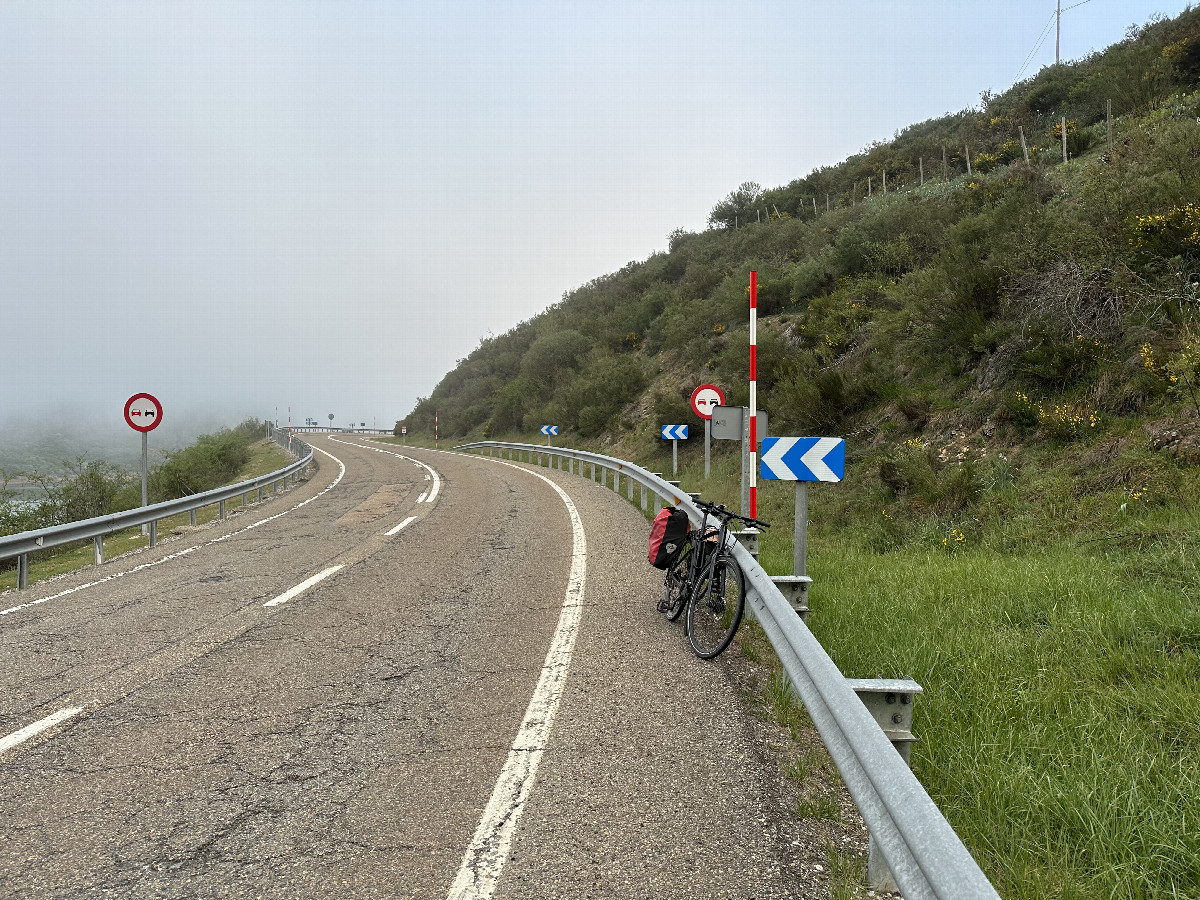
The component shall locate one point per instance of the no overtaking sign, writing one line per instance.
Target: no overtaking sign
(143, 412)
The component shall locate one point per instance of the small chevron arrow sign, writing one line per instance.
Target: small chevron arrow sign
(549, 429)
(674, 432)
(803, 459)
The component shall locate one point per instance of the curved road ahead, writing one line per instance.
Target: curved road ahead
(417, 674)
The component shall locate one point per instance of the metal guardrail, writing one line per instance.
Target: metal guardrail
(925, 855)
(26, 542)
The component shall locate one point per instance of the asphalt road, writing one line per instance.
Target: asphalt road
(347, 740)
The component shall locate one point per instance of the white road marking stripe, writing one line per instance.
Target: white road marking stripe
(20, 737)
(484, 860)
(421, 499)
(185, 552)
(401, 526)
(437, 481)
(302, 586)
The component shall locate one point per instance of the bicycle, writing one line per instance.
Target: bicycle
(705, 579)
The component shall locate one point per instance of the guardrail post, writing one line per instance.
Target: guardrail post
(221, 507)
(642, 494)
(890, 703)
(22, 571)
(153, 532)
(191, 517)
(629, 486)
(748, 538)
(275, 486)
(98, 547)
(795, 590)
(260, 493)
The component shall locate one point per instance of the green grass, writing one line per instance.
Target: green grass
(1058, 644)
(266, 456)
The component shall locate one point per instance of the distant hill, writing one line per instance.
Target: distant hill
(934, 282)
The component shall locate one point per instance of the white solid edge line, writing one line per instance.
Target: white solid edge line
(402, 525)
(20, 737)
(437, 481)
(303, 586)
(421, 499)
(484, 860)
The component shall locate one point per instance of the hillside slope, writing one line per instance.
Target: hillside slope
(1013, 356)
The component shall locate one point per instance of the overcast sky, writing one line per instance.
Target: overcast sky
(245, 206)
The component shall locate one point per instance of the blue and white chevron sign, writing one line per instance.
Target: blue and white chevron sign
(549, 429)
(674, 432)
(803, 459)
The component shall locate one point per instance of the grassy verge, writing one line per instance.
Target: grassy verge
(1058, 642)
(266, 456)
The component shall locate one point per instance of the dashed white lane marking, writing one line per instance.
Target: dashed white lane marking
(20, 737)
(302, 586)
(484, 860)
(401, 526)
(421, 499)
(179, 553)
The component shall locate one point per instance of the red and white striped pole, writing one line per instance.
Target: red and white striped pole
(435, 430)
(754, 395)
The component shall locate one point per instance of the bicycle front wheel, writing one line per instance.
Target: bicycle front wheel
(675, 595)
(715, 610)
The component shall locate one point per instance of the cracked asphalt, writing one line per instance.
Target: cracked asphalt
(345, 743)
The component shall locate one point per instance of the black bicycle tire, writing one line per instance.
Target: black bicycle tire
(701, 623)
(675, 585)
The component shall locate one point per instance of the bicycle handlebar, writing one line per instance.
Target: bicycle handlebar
(721, 511)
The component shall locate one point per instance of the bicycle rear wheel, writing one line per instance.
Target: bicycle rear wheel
(713, 616)
(675, 595)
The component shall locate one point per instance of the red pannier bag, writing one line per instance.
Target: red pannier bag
(667, 534)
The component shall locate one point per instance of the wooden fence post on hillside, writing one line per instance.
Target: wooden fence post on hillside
(869, 186)
(967, 150)
(1109, 125)
(921, 166)
(1024, 146)
(885, 181)
(944, 173)
(1064, 137)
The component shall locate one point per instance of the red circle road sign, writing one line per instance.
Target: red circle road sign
(704, 398)
(143, 412)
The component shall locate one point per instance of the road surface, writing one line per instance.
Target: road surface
(418, 674)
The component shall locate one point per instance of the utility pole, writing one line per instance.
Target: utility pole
(1057, 31)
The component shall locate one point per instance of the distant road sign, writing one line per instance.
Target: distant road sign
(674, 432)
(549, 429)
(704, 398)
(404, 429)
(803, 459)
(143, 412)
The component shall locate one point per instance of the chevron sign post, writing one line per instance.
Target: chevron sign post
(549, 430)
(674, 434)
(802, 459)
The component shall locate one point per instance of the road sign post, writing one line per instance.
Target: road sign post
(803, 460)
(143, 413)
(732, 423)
(704, 399)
